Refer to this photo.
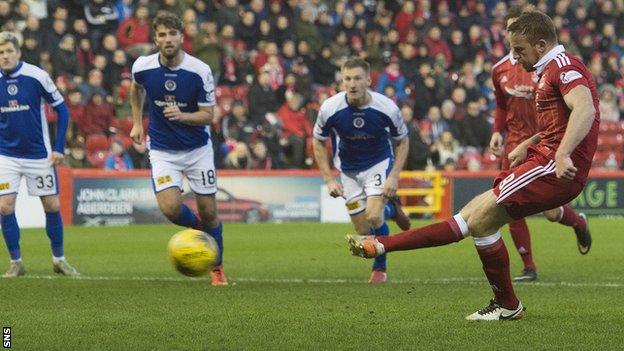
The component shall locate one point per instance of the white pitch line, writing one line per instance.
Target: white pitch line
(436, 281)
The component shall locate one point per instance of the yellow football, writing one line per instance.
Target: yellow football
(193, 252)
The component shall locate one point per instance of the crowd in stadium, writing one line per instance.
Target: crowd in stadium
(276, 61)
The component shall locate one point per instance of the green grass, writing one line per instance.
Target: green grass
(294, 286)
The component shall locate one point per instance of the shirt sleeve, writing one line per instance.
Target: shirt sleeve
(136, 77)
(207, 91)
(49, 91)
(398, 129)
(321, 126)
(569, 77)
(500, 112)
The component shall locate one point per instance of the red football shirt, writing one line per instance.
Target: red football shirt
(561, 73)
(514, 90)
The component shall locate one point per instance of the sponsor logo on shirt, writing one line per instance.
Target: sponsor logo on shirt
(5, 186)
(14, 106)
(569, 76)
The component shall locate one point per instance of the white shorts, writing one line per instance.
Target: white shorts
(41, 178)
(169, 168)
(358, 186)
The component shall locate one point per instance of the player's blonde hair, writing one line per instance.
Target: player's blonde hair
(9, 37)
(535, 26)
(356, 62)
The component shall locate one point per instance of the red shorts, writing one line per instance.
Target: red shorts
(533, 187)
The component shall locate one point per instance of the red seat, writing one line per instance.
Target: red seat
(240, 92)
(125, 125)
(96, 142)
(224, 91)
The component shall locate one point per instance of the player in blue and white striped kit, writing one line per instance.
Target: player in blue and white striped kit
(25, 150)
(180, 96)
(360, 123)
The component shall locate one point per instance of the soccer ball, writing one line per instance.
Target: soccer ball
(193, 252)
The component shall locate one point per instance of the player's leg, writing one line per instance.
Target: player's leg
(378, 227)
(201, 174)
(11, 234)
(54, 230)
(522, 239)
(167, 182)
(568, 217)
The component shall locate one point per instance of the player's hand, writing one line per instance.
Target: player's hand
(173, 113)
(564, 167)
(56, 158)
(335, 189)
(136, 133)
(390, 187)
(496, 144)
(517, 155)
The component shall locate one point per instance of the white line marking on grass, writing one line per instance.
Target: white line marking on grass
(435, 281)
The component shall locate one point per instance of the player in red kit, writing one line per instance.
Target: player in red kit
(547, 170)
(515, 118)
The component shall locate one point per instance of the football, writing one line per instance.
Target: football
(193, 252)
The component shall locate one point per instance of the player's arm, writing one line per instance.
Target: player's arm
(320, 155)
(58, 151)
(518, 155)
(500, 119)
(582, 114)
(202, 117)
(137, 99)
(392, 182)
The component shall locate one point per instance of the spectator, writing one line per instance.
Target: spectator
(77, 157)
(228, 13)
(262, 99)
(239, 157)
(475, 128)
(324, 70)
(139, 156)
(260, 157)
(296, 129)
(237, 126)
(76, 111)
(207, 46)
(392, 75)
(101, 15)
(447, 149)
(418, 154)
(133, 34)
(117, 158)
(99, 116)
(93, 84)
(609, 111)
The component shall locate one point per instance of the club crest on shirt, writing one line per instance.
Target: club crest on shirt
(358, 122)
(12, 89)
(170, 85)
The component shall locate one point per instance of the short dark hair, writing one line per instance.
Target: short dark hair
(169, 20)
(356, 62)
(535, 26)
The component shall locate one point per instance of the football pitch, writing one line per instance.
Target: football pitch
(296, 287)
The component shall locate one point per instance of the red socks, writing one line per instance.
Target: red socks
(437, 234)
(522, 239)
(571, 218)
(495, 259)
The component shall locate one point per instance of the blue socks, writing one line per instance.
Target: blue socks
(186, 218)
(389, 210)
(11, 233)
(380, 261)
(217, 234)
(54, 229)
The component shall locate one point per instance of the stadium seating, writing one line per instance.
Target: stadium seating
(97, 142)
